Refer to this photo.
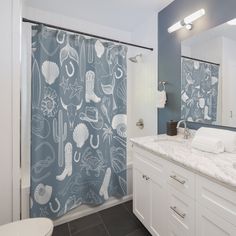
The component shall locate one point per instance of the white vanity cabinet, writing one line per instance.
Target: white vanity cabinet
(173, 201)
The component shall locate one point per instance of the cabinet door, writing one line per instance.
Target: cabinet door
(157, 207)
(140, 196)
(208, 223)
(149, 194)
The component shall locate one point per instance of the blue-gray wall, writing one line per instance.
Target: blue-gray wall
(169, 47)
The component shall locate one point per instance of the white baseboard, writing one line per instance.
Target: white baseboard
(86, 210)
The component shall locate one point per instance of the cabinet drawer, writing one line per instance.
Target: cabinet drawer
(208, 223)
(181, 179)
(176, 230)
(181, 213)
(218, 199)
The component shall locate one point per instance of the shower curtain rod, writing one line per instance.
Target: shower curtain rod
(87, 34)
(196, 59)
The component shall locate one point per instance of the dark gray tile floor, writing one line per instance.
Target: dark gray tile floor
(116, 221)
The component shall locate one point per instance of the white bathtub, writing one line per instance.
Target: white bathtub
(80, 211)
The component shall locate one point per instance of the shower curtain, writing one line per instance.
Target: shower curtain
(78, 121)
(199, 90)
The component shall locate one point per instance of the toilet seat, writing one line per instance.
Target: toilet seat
(28, 227)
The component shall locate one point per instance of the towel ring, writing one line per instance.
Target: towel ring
(163, 83)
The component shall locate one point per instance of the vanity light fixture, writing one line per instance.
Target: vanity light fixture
(187, 21)
(232, 22)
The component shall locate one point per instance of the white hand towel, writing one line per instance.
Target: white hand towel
(208, 144)
(227, 137)
(161, 99)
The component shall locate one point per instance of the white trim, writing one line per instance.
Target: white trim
(16, 70)
(79, 212)
(25, 118)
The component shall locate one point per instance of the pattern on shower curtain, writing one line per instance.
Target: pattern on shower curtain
(78, 115)
(199, 91)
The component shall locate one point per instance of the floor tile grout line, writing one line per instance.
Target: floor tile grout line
(87, 227)
(131, 214)
(108, 233)
(68, 225)
(104, 225)
(126, 208)
(132, 232)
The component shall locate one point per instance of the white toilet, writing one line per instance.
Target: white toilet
(28, 227)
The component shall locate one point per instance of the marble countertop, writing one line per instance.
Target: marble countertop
(220, 167)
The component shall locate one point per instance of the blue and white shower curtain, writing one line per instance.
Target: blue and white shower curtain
(78, 121)
(199, 90)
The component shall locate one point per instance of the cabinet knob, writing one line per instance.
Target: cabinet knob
(146, 177)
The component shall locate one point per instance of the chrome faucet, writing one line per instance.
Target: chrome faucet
(186, 130)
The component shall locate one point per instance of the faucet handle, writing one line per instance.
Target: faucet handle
(187, 133)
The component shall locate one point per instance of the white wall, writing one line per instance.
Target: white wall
(10, 21)
(5, 112)
(72, 23)
(144, 78)
(210, 50)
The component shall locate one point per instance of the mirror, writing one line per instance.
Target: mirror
(208, 76)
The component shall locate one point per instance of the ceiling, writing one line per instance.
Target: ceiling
(119, 14)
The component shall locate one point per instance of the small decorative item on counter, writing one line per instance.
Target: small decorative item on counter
(171, 129)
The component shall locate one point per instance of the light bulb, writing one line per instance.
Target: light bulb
(232, 22)
(175, 27)
(187, 22)
(191, 18)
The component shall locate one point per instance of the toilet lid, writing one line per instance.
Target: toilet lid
(28, 227)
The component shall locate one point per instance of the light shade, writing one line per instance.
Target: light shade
(232, 22)
(175, 27)
(196, 15)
